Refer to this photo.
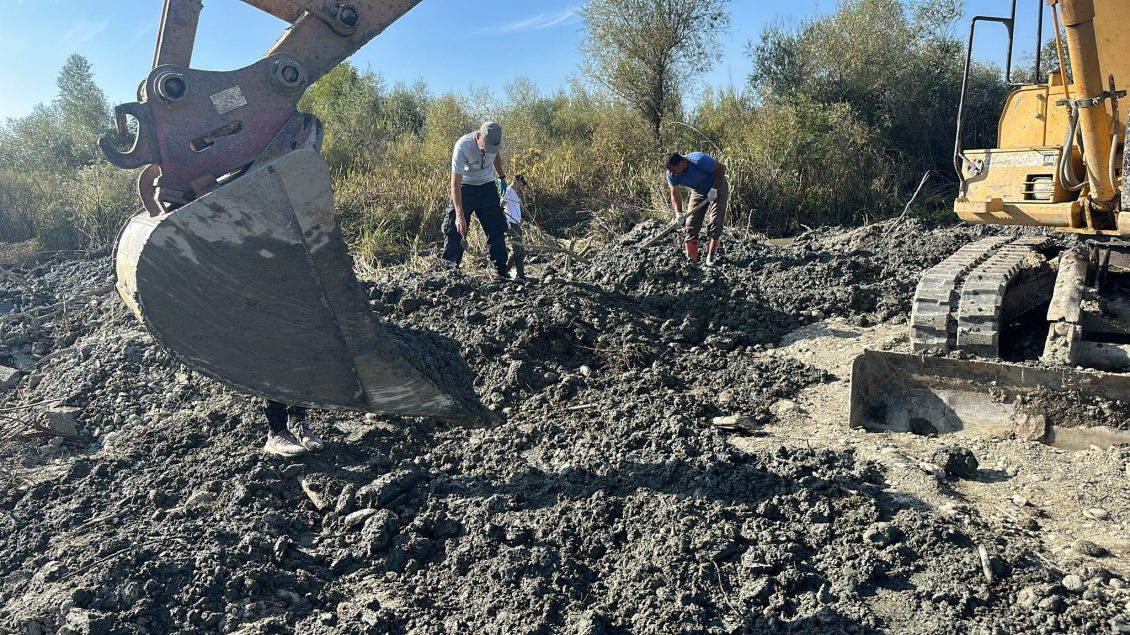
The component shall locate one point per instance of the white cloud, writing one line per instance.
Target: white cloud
(84, 31)
(537, 22)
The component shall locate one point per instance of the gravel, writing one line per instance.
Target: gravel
(604, 501)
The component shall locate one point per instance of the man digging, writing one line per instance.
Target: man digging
(706, 178)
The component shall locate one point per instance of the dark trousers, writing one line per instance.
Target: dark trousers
(517, 250)
(482, 201)
(278, 413)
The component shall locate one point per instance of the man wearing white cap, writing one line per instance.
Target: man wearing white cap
(475, 164)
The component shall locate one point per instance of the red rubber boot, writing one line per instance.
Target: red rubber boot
(712, 251)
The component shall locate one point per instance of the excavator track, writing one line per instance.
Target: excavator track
(961, 303)
(933, 321)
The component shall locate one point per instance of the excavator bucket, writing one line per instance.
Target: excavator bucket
(925, 394)
(252, 285)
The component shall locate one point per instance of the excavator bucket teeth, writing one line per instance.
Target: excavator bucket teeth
(938, 395)
(252, 285)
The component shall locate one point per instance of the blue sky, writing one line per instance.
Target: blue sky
(453, 45)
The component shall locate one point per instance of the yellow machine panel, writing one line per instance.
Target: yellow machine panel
(1111, 18)
(1030, 118)
(1016, 187)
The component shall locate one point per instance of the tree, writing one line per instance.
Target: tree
(896, 65)
(84, 112)
(64, 134)
(350, 103)
(645, 51)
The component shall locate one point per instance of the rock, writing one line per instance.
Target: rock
(200, 499)
(1097, 513)
(1073, 583)
(408, 305)
(1030, 427)
(551, 377)
(281, 547)
(1051, 604)
(986, 563)
(882, 534)
(952, 509)
(1119, 625)
(358, 518)
(386, 489)
(345, 500)
(1088, 548)
(1019, 500)
(61, 421)
(8, 377)
(379, 530)
(1028, 597)
(957, 462)
(783, 407)
(757, 590)
(585, 371)
(733, 422)
(722, 341)
(933, 469)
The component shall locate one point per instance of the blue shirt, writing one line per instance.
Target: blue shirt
(699, 175)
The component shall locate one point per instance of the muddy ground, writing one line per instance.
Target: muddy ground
(605, 501)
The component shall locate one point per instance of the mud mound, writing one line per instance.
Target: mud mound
(603, 503)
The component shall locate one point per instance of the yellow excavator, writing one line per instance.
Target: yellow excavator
(1059, 163)
(236, 264)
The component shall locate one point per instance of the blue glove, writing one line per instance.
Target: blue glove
(502, 186)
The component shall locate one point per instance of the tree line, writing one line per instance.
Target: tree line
(838, 120)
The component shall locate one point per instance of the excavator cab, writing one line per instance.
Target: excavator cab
(236, 264)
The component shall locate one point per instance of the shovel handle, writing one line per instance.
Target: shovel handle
(668, 230)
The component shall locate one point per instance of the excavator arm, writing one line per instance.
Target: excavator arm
(196, 129)
(237, 264)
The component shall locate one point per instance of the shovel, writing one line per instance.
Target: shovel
(675, 225)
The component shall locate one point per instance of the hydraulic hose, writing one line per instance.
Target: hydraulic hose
(1110, 166)
(1066, 171)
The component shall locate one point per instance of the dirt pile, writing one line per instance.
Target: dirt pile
(603, 503)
